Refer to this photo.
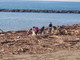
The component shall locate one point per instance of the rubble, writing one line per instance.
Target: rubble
(16, 42)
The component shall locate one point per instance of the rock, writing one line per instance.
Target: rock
(13, 32)
(2, 50)
(2, 34)
(39, 11)
(60, 41)
(23, 49)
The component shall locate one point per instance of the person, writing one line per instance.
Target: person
(33, 31)
(42, 30)
(36, 30)
(50, 27)
(29, 32)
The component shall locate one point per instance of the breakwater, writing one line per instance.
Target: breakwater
(40, 11)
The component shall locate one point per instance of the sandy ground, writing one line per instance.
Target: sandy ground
(59, 55)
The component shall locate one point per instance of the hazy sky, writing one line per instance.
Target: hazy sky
(40, 0)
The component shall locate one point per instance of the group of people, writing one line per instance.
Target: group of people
(36, 30)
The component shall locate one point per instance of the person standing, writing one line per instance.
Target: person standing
(50, 27)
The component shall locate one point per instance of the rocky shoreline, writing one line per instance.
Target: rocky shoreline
(16, 42)
(40, 11)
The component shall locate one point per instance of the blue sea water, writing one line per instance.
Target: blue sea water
(42, 5)
(24, 21)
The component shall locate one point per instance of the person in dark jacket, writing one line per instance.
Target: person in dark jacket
(50, 27)
(42, 30)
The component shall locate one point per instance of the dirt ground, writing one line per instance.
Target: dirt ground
(63, 45)
(59, 55)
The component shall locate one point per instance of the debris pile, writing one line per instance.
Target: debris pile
(16, 42)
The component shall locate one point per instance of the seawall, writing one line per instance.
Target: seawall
(39, 11)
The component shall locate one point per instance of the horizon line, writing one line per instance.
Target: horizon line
(40, 1)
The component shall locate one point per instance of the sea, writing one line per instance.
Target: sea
(10, 21)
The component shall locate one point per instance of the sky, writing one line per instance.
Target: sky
(43, 0)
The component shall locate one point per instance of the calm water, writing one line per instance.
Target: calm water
(42, 5)
(21, 21)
